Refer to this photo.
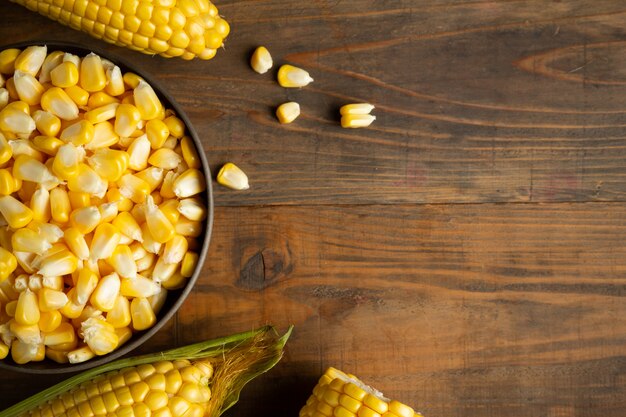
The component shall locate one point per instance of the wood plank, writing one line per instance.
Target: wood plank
(511, 101)
(465, 310)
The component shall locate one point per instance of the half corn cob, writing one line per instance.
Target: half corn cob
(101, 202)
(342, 395)
(184, 28)
(198, 380)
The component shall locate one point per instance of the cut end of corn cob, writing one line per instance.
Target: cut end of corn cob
(261, 60)
(231, 176)
(288, 112)
(174, 28)
(293, 77)
(100, 202)
(342, 395)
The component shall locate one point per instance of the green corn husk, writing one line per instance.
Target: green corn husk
(236, 359)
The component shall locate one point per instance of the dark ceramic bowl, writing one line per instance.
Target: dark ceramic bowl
(175, 298)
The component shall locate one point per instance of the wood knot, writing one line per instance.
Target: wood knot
(264, 268)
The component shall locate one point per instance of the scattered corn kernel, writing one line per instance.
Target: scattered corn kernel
(232, 177)
(288, 112)
(356, 115)
(293, 77)
(261, 60)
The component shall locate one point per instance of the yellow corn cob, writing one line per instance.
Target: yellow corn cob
(342, 395)
(198, 380)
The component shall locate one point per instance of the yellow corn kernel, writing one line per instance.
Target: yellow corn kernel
(22, 353)
(28, 88)
(15, 121)
(357, 120)
(58, 102)
(146, 262)
(46, 123)
(261, 60)
(59, 263)
(288, 112)
(87, 181)
(7, 182)
(14, 212)
(99, 335)
(6, 151)
(110, 164)
(127, 117)
(356, 108)
(115, 82)
(100, 99)
(64, 75)
(27, 168)
(122, 261)
(170, 209)
(174, 282)
(104, 295)
(293, 77)
(76, 243)
(139, 152)
(119, 315)
(60, 205)
(79, 96)
(128, 226)
(190, 153)
(160, 227)
(139, 286)
(79, 200)
(102, 113)
(80, 355)
(154, 177)
(10, 87)
(31, 59)
(50, 320)
(78, 133)
(189, 183)
(66, 161)
(142, 315)
(92, 75)
(175, 250)
(189, 263)
(114, 195)
(27, 309)
(134, 188)
(165, 158)
(231, 176)
(105, 239)
(167, 188)
(47, 144)
(187, 227)
(104, 136)
(157, 133)
(147, 102)
(27, 240)
(85, 219)
(52, 60)
(63, 334)
(7, 60)
(175, 126)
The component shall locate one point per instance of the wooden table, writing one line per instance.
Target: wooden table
(465, 254)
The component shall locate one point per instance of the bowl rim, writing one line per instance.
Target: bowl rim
(48, 366)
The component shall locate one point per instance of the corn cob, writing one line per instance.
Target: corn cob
(85, 180)
(183, 28)
(204, 379)
(342, 395)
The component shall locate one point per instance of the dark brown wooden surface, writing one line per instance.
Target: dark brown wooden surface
(466, 253)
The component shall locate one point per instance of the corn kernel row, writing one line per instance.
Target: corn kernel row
(100, 205)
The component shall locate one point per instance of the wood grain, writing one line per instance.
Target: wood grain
(466, 253)
(460, 310)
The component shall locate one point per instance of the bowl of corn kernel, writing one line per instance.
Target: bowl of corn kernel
(105, 208)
